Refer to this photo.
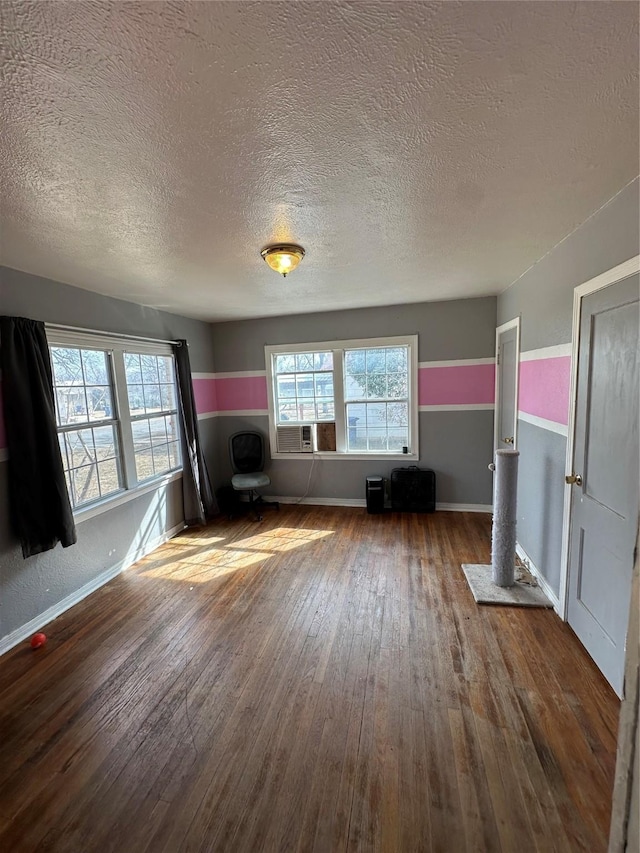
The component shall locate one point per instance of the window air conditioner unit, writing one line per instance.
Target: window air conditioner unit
(295, 439)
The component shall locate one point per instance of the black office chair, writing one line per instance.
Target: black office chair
(246, 450)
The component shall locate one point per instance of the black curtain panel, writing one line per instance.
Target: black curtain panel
(199, 501)
(39, 507)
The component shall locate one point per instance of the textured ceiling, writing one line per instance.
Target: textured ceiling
(418, 151)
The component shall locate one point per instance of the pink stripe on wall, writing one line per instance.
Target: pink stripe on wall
(545, 385)
(231, 394)
(240, 393)
(204, 391)
(467, 384)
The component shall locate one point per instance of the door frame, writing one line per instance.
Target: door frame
(510, 324)
(606, 279)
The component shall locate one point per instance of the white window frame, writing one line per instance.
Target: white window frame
(115, 347)
(338, 348)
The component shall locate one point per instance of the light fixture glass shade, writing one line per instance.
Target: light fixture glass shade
(284, 257)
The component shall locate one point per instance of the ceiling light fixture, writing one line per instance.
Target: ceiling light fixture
(283, 257)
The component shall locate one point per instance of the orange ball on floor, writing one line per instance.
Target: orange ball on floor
(38, 640)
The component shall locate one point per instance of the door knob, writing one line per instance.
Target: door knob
(508, 440)
(573, 480)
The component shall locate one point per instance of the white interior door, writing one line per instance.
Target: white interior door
(604, 499)
(507, 361)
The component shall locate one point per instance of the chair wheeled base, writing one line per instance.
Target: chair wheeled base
(257, 502)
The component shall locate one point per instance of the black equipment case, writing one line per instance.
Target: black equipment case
(413, 489)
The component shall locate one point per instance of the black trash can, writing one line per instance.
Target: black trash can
(375, 494)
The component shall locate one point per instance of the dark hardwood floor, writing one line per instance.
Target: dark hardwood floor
(320, 681)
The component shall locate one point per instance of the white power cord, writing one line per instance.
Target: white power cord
(313, 462)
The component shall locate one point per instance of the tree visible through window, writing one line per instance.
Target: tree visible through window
(87, 427)
(377, 398)
(368, 388)
(116, 413)
(152, 408)
(304, 387)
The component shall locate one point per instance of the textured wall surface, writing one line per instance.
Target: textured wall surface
(543, 298)
(418, 151)
(29, 587)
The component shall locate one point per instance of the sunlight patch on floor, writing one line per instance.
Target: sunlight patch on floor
(214, 562)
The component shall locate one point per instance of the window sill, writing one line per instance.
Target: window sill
(341, 457)
(113, 501)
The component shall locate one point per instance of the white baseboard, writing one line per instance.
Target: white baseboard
(317, 501)
(361, 502)
(19, 634)
(543, 583)
(464, 507)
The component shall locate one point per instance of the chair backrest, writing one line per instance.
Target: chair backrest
(246, 450)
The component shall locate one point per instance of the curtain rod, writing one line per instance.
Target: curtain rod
(110, 334)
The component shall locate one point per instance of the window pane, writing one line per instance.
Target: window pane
(109, 476)
(396, 359)
(80, 449)
(144, 464)
(132, 368)
(355, 386)
(152, 398)
(286, 386)
(158, 431)
(171, 424)
(66, 402)
(99, 402)
(63, 450)
(376, 414)
(324, 409)
(136, 399)
(67, 368)
(323, 384)
(149, 366)
(377, 438)
(397, 386)
(397, 414)
(95, 367)
(354, 361)
(167, 397)
(356, 412)
(356, 426)
(304, 385)
(161, 459)
(375, 360)
(104, 440)
(174, 454)
(85, 484)
(141, 435)
(398, 439)
(306, 410)
(165, 368)
(72, 404)
(376, 385)
(287, 411)
(285, 363)
(323, 361)
(304, 361)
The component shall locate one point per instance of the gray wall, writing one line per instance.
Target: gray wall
(29, 587)
(543, 299)
(456, 444)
